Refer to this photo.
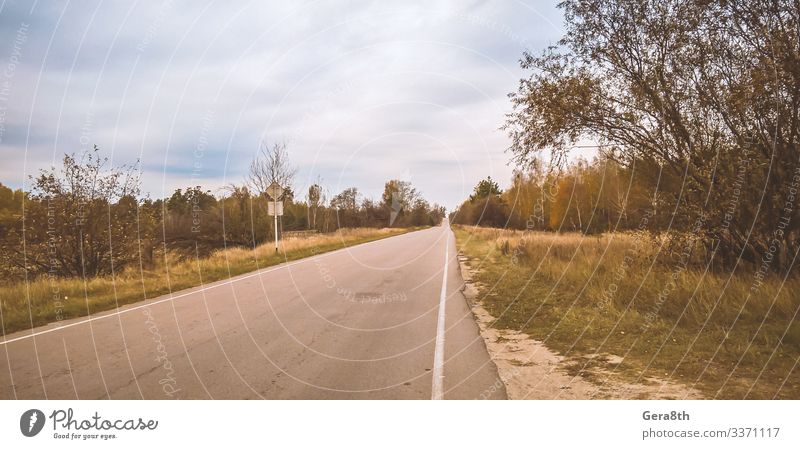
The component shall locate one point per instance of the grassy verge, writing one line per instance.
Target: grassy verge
(725, 334)
(43, 301)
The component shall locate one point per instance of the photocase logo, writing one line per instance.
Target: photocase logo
(31, 422)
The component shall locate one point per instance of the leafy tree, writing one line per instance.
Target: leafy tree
(398, 197)
(704, 93)
(315, 200)
(484, 207)
(82, 220)
(485, 188)
(10, 201)
(346, 200)
(346, 206)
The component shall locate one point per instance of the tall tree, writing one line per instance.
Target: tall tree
(272, 166)
(398, 197)
(83, 219)
(485, 188)
(706, 92)
(315, 200)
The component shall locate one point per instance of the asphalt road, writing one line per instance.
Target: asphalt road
(358, 323)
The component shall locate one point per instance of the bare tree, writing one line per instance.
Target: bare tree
(271, 164)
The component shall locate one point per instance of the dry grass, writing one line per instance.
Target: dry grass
(26, 305)
(625, 294)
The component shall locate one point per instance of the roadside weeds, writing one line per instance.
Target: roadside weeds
(530, 370)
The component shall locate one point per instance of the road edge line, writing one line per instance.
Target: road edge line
(437, 389)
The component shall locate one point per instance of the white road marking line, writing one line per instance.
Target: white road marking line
(198, 290)
(438, 355)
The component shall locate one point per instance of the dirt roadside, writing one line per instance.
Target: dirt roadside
(530, 370)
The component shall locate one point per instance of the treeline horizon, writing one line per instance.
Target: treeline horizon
(589, 197)
(597, 196)
(85, 220)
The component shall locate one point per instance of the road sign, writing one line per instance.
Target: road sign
(275, 191)
(272, 205)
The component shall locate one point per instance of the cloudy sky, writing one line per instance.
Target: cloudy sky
(361, 91)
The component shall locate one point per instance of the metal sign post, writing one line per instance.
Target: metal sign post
(275, 191)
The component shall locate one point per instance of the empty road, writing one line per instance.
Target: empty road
(365, 322)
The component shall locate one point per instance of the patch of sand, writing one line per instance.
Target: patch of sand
(530, 370)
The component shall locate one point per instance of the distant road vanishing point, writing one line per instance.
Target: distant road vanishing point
(381, 320)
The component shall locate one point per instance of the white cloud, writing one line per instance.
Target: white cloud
(362, 91)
